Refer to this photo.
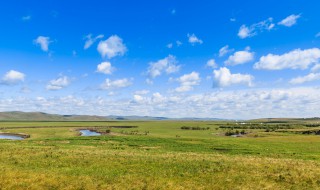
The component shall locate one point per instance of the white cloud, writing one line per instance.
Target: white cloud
(245, 32)
(212, 63)
(290, 20)
(318, 35)
(240, 57)
(138, 98)
(193, 39)
(168, 65)
(178, 43)
(233, 19)
(225, 50)
(296, 59)
(308, 78)
(224, 78)
(115, 84)
(43, 41)
(105, 67)
(170, 45)
(112, 47)
(12, 77)
(90, 41)
(59, 83)
(252, 30)
(187, 82)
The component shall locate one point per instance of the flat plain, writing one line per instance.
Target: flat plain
(257, 154)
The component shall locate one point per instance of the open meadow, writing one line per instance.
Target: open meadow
(161, 155)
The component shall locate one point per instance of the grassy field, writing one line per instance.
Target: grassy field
(161, 155)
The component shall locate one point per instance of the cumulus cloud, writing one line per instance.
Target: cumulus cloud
(90, 41)
(44, 42)
(167, 65)
(290, 20)
(308, 78)
(296, 59)
(193, 39)
(225, 50)
(112, 47)
(252, 30)
(212, 63)
(12, 77)
(116, 84)
(240, 57)
(59, 83)
(187, 82)
(105, 68)
(224, 78)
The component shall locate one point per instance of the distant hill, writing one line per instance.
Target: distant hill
(287, 120)
(40, 116)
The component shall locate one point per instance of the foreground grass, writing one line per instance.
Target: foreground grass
(55, 158)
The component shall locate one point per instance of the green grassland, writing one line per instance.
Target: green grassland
(161, 155)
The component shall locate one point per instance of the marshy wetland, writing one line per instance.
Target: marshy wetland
(162, 155)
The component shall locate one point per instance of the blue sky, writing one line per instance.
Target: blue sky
(223, 59)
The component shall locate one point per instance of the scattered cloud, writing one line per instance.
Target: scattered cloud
(240, 57)
(167, 65)
(187, 82)
(142, 92)
(315, 68)
(12, 77)
(228, 104)
(193, 39)
(26, 18)
(138, 98)
(252, 30)
(233, 19)
(225, 50)
(116, 84)
(178, 43)
(308, 78)
(105, 68)
(44, 42)
(25, 90)
(170, 45)
(112, 47)
(290, 20)
(318, 35)
(59, 83)
(90, 41)
(212, 63)
(224, 78)
(296, 59)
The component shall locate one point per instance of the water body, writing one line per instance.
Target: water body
(11, 137)
(86, 132)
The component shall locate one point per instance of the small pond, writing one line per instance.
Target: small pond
(86, 132)
(11, 137)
